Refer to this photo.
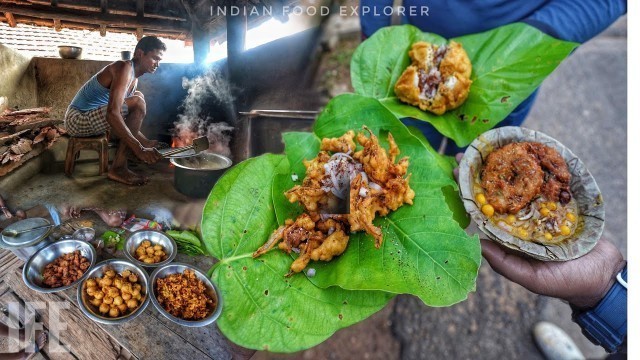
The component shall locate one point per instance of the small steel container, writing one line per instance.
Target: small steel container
(157, 238)
(98, 271)
(32, 271)
(26, 240)
(212, 290)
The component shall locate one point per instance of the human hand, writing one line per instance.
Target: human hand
(582, 282)
(148, 155)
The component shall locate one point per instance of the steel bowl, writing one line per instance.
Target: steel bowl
(212, 290)
(157, 238)
(98, 271)
(32, 271)
(86, 234)
(69, 52)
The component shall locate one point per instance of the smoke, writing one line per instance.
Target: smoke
(204, 94)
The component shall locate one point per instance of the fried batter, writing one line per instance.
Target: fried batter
(342, 144)
(557, 175)
(517, 173)
(438, 78)
(370, 183)
(512, 177)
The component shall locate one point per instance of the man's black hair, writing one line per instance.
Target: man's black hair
(150, 43)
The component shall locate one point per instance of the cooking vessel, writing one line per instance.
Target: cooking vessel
(195, 176)
(69, 52)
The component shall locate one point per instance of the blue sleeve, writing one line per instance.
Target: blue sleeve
(575, 20)
(372, 16)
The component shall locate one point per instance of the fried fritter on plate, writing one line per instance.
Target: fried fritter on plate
(438, 78)
(342, 193)
(517, 173)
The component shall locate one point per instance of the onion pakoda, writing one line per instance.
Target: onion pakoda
(342, 193)
(438, 78)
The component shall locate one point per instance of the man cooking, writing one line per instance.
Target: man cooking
(110, 101)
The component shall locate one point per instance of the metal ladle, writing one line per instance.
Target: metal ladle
(198, 145)
(14, 233)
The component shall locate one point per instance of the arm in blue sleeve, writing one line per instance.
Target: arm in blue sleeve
(575, 20)
(372, 16)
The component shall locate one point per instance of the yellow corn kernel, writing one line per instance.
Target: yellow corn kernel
(552, 206)
(481, 199)
(511, 219)
(523, 233)
(487, 210)
(543, 205)
(565, 230)
(571, 217)
(544, 212)
(548, 236)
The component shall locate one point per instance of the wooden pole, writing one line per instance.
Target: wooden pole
(10, 19)
(236, 39)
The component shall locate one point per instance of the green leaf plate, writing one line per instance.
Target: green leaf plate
(263, 309)
(509, 63)
(425, 251)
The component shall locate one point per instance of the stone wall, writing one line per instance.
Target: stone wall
(17, 80)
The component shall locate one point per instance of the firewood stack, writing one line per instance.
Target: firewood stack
(25, 134)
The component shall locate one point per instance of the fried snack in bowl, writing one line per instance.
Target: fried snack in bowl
(438, 78)
(185, 295)
(114, 292)
(59, 265)
(528, 192)
(150, 248)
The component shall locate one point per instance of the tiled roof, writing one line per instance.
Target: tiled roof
(41, 41)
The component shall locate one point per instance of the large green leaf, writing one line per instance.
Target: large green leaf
(509, 63)
(303, 146)
(263, 309)
(425, 252)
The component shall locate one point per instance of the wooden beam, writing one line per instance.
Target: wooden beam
(10, 19)
(139, 33)
(86, 5)
(54, 3)
(57, 25)
(103, 30)
(109, 20)
(104, 6)
(178, 35)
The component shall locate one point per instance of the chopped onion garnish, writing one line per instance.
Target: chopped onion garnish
(363, 192)
(296, 250)
(528, 215)
(294, 177)
(375, 186)
(311, 272)
(331, 231)
(365, 178)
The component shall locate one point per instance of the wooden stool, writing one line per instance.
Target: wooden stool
(98, 143)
